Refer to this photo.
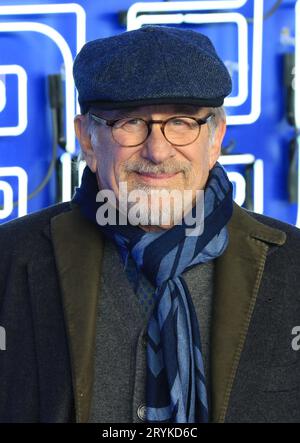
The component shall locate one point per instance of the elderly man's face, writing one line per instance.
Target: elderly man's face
(155, 164)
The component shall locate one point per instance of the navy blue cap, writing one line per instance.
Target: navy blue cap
(150, 65)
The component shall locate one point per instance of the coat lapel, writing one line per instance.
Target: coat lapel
(238, 275)
(78, 252)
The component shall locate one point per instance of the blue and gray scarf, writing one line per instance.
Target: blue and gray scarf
(176, 389)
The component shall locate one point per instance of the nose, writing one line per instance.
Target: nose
(156, 148)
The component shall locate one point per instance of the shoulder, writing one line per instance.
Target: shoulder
(253, 223)
(289, 229)
(292, 233)
(288, 251)
(25, 232)
(34, 220)
(283, 239)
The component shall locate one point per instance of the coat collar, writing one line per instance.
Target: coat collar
(78, 249)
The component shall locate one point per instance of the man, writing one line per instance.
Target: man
(114, 314)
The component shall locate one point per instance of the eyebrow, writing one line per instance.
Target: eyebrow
(115, 114)
(176, 109)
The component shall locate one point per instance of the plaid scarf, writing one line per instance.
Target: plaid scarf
(176, 390)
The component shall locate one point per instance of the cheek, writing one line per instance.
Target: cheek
(200, 159)
(105, 162)
(203, 164)
(106, 170)
(110, 167)
(125, 156)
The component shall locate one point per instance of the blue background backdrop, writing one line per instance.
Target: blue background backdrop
(268, 138)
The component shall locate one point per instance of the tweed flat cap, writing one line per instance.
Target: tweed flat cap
(151, 65)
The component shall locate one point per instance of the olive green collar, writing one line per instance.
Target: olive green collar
(78, 249)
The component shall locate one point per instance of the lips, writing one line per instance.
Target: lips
(151, 176)
(155, 179)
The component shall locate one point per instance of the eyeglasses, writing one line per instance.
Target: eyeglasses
(131, 132)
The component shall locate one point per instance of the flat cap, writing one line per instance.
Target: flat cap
(151, 65)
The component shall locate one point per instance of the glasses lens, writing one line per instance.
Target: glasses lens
(130, 132)
(181, 130)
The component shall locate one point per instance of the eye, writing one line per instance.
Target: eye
(177, 122)
(182, 123)
(135, 122)
(130, 124)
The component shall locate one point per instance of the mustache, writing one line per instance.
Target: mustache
(168, 167)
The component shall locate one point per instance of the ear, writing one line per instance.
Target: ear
(82, 133)
(215, 148)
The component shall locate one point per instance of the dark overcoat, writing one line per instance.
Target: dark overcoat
(50, 258)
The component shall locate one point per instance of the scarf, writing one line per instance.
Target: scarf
(175, 388)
